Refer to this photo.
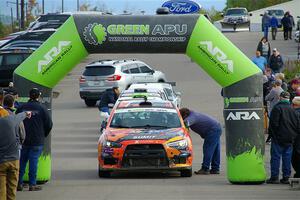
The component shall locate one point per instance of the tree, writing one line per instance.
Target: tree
(253, 4)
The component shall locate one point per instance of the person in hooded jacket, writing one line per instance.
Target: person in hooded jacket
(296, 146)
(37, 129)
(110, 96)
(284, 127)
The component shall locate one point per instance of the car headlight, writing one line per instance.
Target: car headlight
(180, 144)
(112, 144)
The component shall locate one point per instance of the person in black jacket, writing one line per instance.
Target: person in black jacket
(296, 147)
(110, 96)
(276, 61)
(36, 129)
(284, 127)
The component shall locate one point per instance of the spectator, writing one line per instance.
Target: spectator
(8, 104)
(260, 61)
(296, 146)
(285, 24)
(264, 48)
(274, 26)
(274, 95)
(291, 24)
(284, 127)
(292, 88)
(265, 21)
(110, 96)
(210, 130)
(276, 61)
(37, 128)
(280, 76)
(9, 156)
(13, 91)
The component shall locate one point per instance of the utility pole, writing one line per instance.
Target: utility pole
(12, 19)
(22, 15)
(43, 7)
(77, 5)
(17, 13)
(62, 6)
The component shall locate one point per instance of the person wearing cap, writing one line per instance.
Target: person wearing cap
(284, 127)
(36, 129)
(210, 130)
(273, 96)
(296, 146)
(110, 96)
(276, 61)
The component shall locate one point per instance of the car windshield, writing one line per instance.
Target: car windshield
(145, 118)
(236, 12)
(276, 12)
(99, 71)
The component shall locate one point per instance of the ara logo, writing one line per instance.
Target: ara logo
(243, 116)
(218, 54)
(52, 54)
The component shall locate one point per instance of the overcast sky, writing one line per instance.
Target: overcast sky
(117, 6)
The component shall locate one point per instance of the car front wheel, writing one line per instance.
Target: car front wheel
(186, 173)
(90, 103)
(103, 174)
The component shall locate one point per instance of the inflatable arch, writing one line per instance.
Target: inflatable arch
(83, 34)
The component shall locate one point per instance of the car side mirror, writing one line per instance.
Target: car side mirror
(152, 71)
(250, 14)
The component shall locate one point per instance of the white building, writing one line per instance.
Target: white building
(292, 6)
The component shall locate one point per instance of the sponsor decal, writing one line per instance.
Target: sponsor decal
(217, 56)
(232, 100)
(97, 34)
(243, 115)
(182, 6)
(143, 137)
(54, 55)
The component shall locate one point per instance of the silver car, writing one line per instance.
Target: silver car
(105, 74)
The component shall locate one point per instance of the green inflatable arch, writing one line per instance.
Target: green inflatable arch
(83, 34)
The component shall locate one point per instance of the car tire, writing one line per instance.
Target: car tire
(186, 172)
(90, 103)
(104, 174)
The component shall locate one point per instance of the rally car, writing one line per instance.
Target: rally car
(145, 135)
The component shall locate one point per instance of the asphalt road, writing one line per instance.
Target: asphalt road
(75, 135)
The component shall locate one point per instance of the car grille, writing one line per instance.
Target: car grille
(238, 20)
(145, 155)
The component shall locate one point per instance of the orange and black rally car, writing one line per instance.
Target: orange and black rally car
(145, 135)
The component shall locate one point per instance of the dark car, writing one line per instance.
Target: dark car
(10, 59)
(29, 39)
(15, 51)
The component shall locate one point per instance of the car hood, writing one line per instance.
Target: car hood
(119, 135)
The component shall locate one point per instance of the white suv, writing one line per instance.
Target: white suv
(104, 74)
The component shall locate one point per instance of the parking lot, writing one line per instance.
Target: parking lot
(75, 135)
